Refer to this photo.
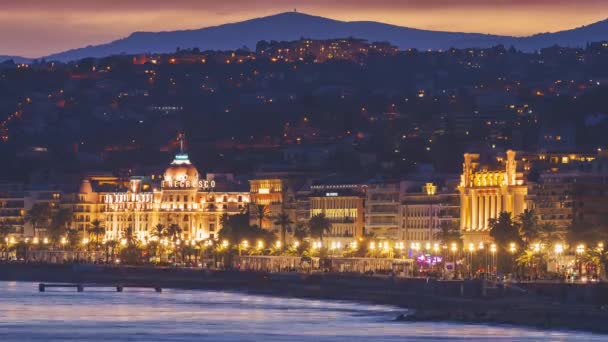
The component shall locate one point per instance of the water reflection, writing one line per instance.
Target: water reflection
(176, 315)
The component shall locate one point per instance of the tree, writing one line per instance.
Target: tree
(130, 237)
(528, 227)
(449, 234)
(174, 232)
(110, 250)
(319, 225)
(96, 231)
(284, 222)
(159, 232)
(262, 213)
(236, 229)
(62, 217)
(301, 231)
(39, 214)
(505, 231)
(72, 238)
(5, 230)
(535, 261)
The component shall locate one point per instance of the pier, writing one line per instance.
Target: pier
(80, 286)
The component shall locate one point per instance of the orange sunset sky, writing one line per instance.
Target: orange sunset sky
(35, 28)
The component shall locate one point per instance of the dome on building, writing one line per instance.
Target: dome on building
(85, 187)
(181, 171)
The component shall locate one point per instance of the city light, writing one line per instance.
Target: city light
(512, 248)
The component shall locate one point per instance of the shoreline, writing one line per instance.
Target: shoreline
(423, 301)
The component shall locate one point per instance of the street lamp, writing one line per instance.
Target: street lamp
(512, 248)
(493, 251)
(454, 248)
(471, 250)
(580, 249)
(559, 248)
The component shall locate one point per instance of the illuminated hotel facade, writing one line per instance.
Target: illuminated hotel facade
(180, 197)
(485, 193)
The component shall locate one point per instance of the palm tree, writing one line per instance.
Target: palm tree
(60, 222)
(262, 212)
(174, 232)
(110, 245)
(158, 232)
(39, 213)
(5, 230)
(300, 232)
(96, 231)
(319, 225)
(72, 238)
(505, 231)
(528, 227)
(448, 234)
(283, 221)
(130, 237)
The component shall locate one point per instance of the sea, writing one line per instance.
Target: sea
(141, 314)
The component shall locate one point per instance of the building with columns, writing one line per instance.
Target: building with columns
(486, 191)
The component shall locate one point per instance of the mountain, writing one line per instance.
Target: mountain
(293, 26)
(15, 59)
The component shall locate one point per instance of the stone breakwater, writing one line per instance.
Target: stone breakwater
(554, 306)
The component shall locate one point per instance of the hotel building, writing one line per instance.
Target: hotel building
(181, 196)
(344, 206)
(424, 212)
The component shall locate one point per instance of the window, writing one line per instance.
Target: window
(212, 227)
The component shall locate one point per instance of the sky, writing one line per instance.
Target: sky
(34, 28)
